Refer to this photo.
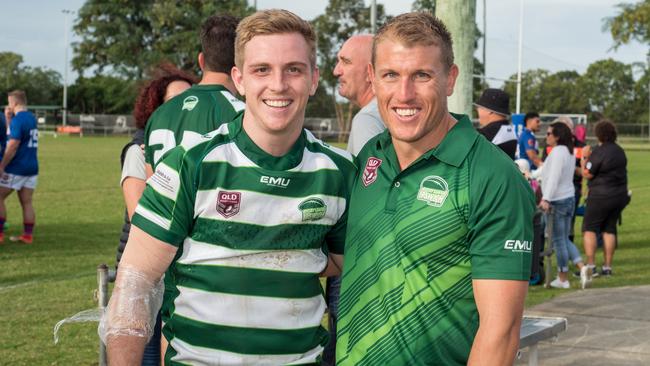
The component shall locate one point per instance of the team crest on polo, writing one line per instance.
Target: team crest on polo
(370, 172)
(433, 190)
(190, 102)
(312, 209)
(228, 203)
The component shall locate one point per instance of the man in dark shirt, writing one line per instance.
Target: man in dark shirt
(493, 108)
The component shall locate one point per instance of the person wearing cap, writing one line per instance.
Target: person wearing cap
(493, 108)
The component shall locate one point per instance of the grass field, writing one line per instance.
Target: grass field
(79, 211)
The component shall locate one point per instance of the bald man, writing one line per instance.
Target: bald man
(354, 85)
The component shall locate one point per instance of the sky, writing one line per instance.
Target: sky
(558, 34)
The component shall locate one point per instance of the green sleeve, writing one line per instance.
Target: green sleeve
(500, 220)
(166, 209)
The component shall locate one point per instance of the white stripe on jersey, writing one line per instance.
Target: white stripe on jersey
(231, 154)
(506, 133)
(311, 138)
(314, 161)
(194, 355)
(153, 217)
(165, 181)
(253, 203)
(304, 261)
(249, 311)
(237, 104)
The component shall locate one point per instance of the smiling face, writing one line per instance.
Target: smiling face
(277, 78)
(412, 86)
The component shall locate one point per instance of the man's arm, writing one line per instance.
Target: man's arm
(148, 169)
(150, 257)
(334, 266)
(534, 157)
(10, 152)
(500, 306)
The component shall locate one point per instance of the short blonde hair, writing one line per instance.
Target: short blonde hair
(417, 28)
(19, 96)
(273, 21)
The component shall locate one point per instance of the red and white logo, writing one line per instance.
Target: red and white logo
(228, 203)
(370, 172)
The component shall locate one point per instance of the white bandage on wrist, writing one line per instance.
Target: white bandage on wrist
(133, 307)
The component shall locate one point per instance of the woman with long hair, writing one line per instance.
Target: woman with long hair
(558, 202)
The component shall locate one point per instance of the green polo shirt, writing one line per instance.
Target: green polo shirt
(415, 241)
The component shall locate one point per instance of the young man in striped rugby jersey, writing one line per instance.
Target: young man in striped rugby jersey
(246, 221)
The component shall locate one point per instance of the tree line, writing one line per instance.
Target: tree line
(121, 41)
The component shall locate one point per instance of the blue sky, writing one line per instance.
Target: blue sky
(558, 34)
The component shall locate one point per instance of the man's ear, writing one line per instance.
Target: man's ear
(315, 75)
(237, 78)
(370, 75)
(451, 79)
(201, 60)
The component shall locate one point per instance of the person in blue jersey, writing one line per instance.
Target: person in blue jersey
(3, 134)
(528, 146)
(19, 165)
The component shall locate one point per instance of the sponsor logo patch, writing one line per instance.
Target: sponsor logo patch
(312, 209)
(228, 203)
(433, 191)
(275, 181)
(518, 246)
(370, 172)
(190, 102)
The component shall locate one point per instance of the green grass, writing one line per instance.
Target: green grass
(79, 211)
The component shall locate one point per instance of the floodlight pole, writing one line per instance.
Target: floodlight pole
(521, 44)
(373, 16)
(65, 65)
(648, 95)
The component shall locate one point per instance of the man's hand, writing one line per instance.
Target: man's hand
(545, 206)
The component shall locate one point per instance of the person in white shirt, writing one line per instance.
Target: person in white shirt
(558, 202)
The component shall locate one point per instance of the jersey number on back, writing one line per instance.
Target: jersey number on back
(33, 138)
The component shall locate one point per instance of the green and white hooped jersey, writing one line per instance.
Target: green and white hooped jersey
(253, 233)
(185, 118)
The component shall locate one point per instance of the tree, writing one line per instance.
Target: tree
(342, 19)
(609, 87)
(632, 23)
(42, 85)
(126, 37)
(532, 83)
(101, 94)
(424, 5)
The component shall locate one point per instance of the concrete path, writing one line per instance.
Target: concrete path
(605, 327)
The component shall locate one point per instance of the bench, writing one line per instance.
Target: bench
(535, 329)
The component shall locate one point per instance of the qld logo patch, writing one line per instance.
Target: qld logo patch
(312, 209)
(370, 172)
(433, 190)
(228, 203)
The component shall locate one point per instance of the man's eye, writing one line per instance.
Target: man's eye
(261, 70)
(390, 75)
(422, 76)
(294, 70)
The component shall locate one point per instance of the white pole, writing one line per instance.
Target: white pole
(373, 16)
(649, 96)
(65, 66)
(521, 46)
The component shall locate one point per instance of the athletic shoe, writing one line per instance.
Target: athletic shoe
(535, 280)
(594, 273)
(25, 239)
(556, 283)
(585, 276)
(606, 272)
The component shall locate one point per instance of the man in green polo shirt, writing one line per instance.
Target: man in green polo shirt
(438, 245)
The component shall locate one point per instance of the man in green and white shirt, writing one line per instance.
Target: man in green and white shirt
(246, 220)
(204, 107)
(437, 254)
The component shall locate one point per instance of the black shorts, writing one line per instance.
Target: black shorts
(602, 214)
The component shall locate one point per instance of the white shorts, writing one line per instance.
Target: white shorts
(18, 182)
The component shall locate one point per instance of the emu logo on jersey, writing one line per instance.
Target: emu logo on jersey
(312, 209)
(228, 203)
(190, 102)
(275, 182)
(518, 245)
(433, 191)
(370, 172)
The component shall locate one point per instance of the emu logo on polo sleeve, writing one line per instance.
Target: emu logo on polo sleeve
(433, 190)
(228, 203)
(370, 172)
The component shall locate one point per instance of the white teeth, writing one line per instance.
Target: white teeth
(406, 112)
(277, 103)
